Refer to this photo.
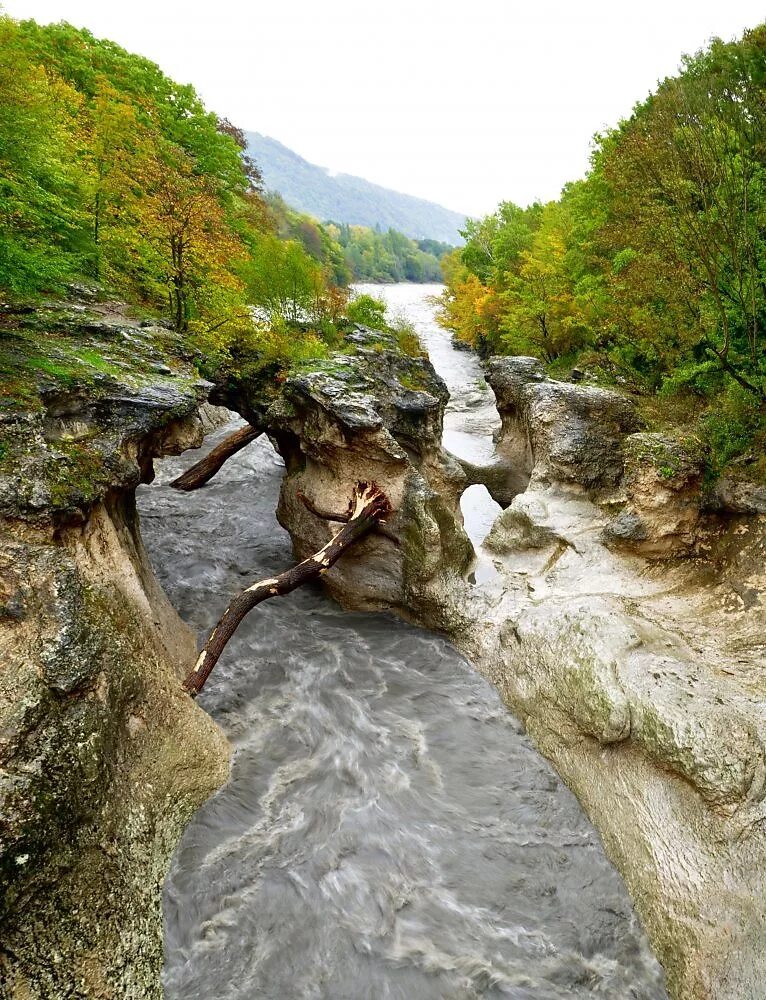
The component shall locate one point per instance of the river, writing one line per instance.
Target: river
(388, 832)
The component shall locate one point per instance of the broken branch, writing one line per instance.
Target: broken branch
(367, 508)
(204, 470)
(327, 515)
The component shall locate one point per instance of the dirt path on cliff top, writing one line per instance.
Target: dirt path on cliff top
(388, 831)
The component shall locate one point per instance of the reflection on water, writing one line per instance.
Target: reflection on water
(388, 831)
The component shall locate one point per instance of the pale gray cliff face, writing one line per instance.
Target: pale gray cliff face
(639, 674)
(102, 758)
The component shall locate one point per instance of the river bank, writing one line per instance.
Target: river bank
(616, 616)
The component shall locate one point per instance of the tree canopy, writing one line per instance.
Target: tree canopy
(114, 173)
(652, 270)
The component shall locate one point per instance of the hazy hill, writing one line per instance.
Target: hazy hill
(343, 198)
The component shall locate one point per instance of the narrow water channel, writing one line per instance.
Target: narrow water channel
(388, 831)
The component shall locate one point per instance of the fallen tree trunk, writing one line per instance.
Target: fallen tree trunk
(367, 508)
(204, 470)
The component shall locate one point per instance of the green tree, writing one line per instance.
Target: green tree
(43, 226)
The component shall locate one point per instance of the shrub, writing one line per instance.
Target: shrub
(368, 311)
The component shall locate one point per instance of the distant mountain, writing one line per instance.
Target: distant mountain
(343, 198)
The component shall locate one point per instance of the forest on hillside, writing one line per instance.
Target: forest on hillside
(110, 172)
(358, 253)
(312, 190)
(651, 272)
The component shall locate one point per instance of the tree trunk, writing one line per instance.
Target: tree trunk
(367, 508)
(204, 470)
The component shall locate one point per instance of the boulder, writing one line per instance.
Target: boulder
(736, 497)
(662, 492)
(558, 432)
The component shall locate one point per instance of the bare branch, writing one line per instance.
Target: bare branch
(204, 470)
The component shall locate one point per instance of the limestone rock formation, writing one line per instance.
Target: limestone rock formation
(662, 492)
(375, 416)
(102, 757)
(642, 681)
(624, 625)
(737, 497)
(558, 431)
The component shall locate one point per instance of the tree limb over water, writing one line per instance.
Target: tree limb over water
(367, 508)
(204, 470)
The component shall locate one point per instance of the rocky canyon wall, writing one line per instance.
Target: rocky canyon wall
(102, 757)
(624, 624)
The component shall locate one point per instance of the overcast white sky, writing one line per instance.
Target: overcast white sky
(465, 103)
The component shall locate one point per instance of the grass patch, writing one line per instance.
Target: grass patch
(413, 380)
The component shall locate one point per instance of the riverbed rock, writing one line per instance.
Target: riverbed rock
(559, 432)
(103, 759)
(377, 416)
(641, 679)
(643, 683)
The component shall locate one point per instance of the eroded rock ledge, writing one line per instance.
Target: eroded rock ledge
(625, 625)
(102, 758)
(375, 415)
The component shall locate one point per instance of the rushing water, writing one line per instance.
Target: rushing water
(388, 831)
(471, 420)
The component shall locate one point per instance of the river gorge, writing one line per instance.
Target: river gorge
(511, 747)
(382, 581)
(388, 830)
